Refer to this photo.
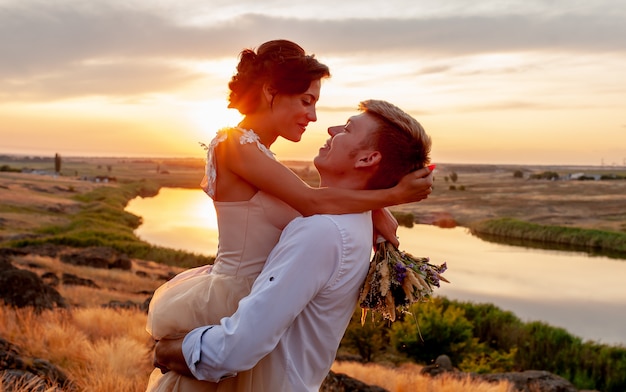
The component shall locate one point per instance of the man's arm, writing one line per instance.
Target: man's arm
(299, 266)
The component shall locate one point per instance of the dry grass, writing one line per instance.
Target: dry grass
(115, 284)
(101, 350)
(105, 350)
(407, 378)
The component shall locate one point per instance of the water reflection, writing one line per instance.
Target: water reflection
(179, 219)
(573, 290)
(552, 246)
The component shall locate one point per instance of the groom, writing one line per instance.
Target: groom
(302, 302)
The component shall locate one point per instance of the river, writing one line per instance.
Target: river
(584, 294)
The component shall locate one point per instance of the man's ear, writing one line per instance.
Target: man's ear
(368, 159)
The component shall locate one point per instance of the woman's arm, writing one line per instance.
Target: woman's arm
(386, 225)
(268, 175)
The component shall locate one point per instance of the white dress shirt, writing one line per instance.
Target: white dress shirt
(299, 306)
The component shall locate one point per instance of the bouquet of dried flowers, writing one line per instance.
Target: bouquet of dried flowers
(396, 280)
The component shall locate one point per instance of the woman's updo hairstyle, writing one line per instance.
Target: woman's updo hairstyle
(282, 64)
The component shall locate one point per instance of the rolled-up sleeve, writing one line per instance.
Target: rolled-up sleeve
(300, 265)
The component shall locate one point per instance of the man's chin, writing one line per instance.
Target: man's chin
(316, 161)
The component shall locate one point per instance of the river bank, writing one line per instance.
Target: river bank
(463, 195)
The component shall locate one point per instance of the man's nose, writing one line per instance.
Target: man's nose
(332, 131)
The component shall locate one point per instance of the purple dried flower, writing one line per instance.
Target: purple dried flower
(400, 270)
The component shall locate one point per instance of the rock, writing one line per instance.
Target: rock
(20, 380)
(7, 253)
(338, 382)
(145, 306)
(51, 279)
(5, 264)
(532, 381)
(46, 250)
(40, 374)
(71, 279)
(114, 304)
(442, 364)
(22, 288)
(98, 257)
(526, 381)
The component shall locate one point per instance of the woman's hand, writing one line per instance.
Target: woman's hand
(386, 225)
(415, 186)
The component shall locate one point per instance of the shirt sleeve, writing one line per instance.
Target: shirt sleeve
(302, 263)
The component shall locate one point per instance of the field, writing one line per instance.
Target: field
(32, 197)
(480, 191)
(487, 192)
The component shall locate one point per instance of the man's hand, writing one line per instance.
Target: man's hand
(416, 185)
(168, 355)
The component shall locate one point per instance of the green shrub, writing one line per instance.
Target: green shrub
(405, 219)
(433, 329)
(368, 340)
(483, 360)
(482, 338)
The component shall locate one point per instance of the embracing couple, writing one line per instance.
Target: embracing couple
(270, 313)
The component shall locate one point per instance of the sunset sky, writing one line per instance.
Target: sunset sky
(518, 82)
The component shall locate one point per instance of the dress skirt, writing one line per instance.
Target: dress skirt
(195, 298)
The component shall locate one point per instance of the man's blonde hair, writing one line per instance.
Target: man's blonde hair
(401, 140)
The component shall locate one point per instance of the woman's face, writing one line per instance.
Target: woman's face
(292, 113)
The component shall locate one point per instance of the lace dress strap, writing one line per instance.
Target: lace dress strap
(210, 175)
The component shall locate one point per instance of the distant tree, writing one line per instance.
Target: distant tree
(547, 175)
(57, 163)
(109, 168)
(454, 176)
(518, 174)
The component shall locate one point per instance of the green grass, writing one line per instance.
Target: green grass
(591, 239)
(102, 221)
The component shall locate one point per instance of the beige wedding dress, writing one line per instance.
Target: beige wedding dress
(248, 231)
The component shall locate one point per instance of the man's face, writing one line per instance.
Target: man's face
(341, 152)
